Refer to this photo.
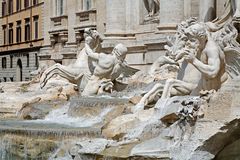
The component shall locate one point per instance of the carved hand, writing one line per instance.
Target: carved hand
(189, 55)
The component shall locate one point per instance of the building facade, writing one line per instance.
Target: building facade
(60, 25)
(120, 21)
(64, 23)
(21, 37)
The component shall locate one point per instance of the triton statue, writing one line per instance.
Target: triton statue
(204, 58)
(78, 70)
(108, 68)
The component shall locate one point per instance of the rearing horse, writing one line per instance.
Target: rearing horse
(78, 70)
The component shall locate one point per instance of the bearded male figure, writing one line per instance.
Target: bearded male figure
(202, 66)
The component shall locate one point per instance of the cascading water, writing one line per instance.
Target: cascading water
(38, 139)
(60, 116)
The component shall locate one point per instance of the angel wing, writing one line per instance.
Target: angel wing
(232, 58)
(128, 71)
(226, 38)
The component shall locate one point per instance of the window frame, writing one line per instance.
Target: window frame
(59, 10)
(4, 62)
(18, 5)
(26, 4)
(4, 28)
(19, 32)
(28, 59)
(27, 30)
(36, 27)
(35, 2)
(10, 6)
(10, 33)
(4, 8)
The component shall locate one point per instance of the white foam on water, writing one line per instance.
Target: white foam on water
(60, 116)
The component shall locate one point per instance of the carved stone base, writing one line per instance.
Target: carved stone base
(153, 19)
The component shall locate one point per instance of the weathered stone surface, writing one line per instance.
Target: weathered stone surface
(39, 110)
(91, 146)
(135, 99)
(176, 108)
(203, 141)
(121, 125)
(155, 148)
(27, 147)
(18, 96)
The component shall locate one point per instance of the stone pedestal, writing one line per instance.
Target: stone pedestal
(207, 11)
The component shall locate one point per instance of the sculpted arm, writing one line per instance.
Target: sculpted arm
(90, 52)
(213, 65)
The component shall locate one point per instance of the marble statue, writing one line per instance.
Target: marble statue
(81, 68)
(232, 12)
(152, 7)
(108, 68)
(205, 58)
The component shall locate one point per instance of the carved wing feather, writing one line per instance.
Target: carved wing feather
(226, 39)
(232, 58)
(128, 71)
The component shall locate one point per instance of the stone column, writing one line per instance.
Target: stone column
(116, 17)
(70, 48)
(171, 13)
(47, 14)
(71, 5)
(207, 10)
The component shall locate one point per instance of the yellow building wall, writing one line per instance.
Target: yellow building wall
(21, 15)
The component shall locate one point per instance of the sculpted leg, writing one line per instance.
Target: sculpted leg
(56, 69)
(152, 7)
(147, 6)
(177, 87)
(91, 88)
(149, 97)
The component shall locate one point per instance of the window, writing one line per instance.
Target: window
(27, 60)
(5, 79)
(26, 3)
(35, 2)
(10, 33)
(4, 34)
(10, 6)
(87, 5)
(18, 5)
(19, 32)
(35, 19)
(27, 29)
(4, 8)
(36, 60)
(59, 7)
(11, 79)
(4, 62)
(11, 61)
